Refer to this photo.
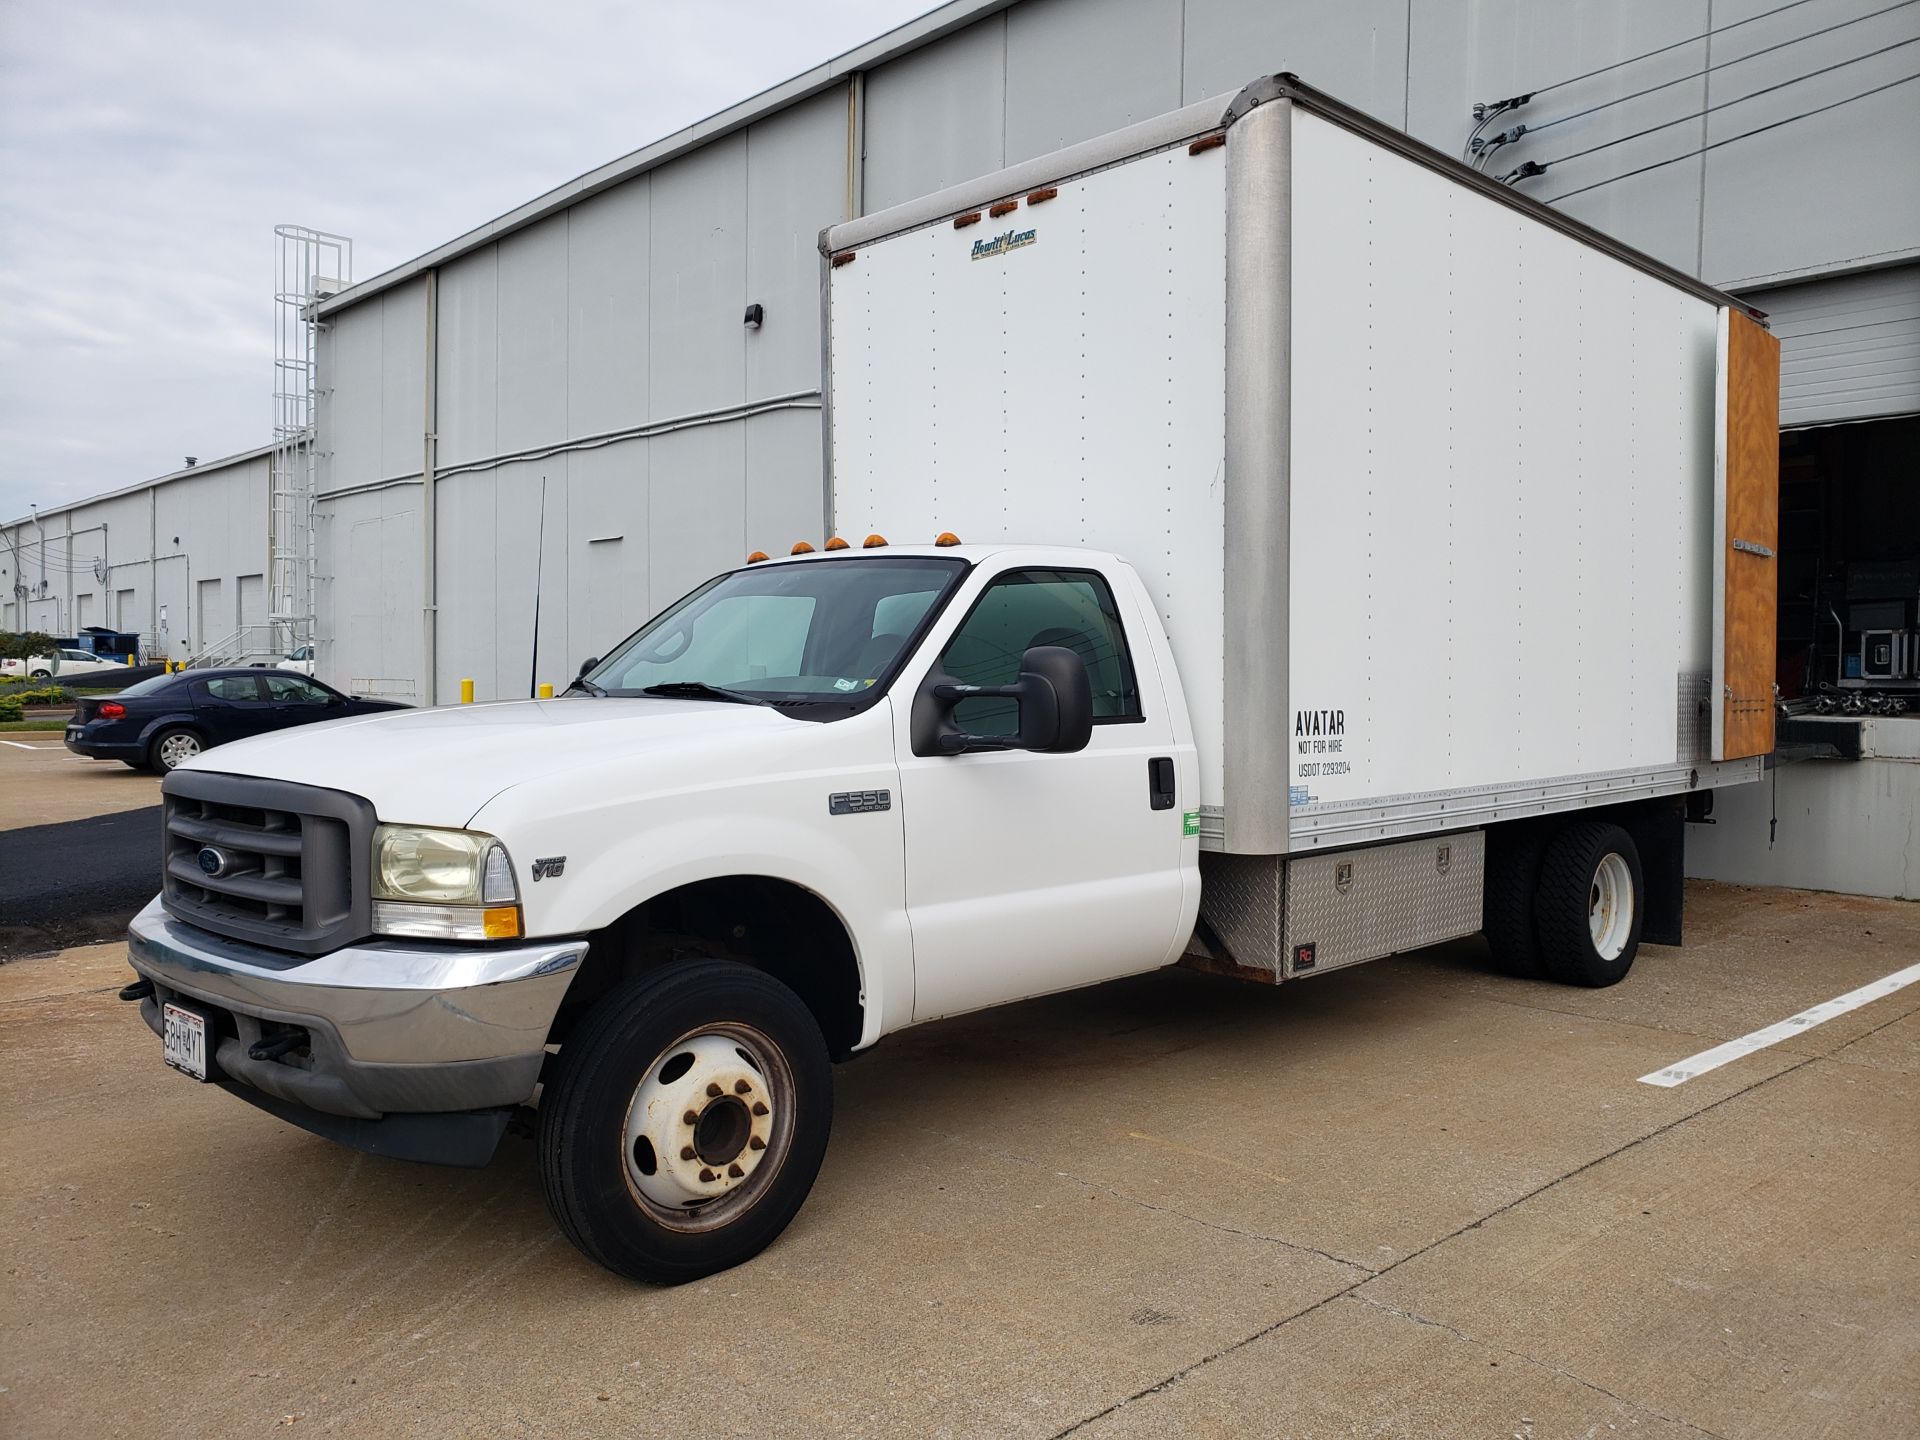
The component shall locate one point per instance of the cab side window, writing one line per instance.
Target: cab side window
(1025, 608)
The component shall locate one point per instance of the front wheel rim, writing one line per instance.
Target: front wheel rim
(709, 1127)
(1610, 906)
(178, 749)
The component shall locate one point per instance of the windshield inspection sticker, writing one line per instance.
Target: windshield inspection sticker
(1322, 747)
(848, 684)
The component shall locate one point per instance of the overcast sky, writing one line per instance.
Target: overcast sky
(147, 150)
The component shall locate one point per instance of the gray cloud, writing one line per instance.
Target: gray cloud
(147, 151)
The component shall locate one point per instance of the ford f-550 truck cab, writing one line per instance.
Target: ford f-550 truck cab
(819, 799)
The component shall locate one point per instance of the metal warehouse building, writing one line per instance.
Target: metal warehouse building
(591, 345)
(180, 560)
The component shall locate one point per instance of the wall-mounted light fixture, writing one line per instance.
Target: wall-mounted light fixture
(755, 314)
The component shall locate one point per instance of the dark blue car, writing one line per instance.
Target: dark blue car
(166, 721)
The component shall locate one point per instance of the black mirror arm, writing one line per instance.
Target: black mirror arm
(953, 742)
(952, 692)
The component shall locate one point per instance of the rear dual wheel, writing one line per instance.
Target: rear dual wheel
(1565, 904)
(685, 1122)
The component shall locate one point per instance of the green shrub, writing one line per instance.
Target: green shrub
(9, 708)
(42, 695)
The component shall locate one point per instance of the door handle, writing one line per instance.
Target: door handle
(1160, 782)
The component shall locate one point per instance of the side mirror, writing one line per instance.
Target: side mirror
(586, 665)
(1054, 696)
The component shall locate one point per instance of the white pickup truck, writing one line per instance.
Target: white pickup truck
(1377, 669)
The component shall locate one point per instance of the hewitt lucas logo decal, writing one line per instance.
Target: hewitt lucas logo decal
(1001, 244)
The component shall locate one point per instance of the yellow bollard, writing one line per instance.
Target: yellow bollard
(466, 692)
(129, 662)
(546, 692)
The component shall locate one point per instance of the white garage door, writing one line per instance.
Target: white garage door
(1849, 348)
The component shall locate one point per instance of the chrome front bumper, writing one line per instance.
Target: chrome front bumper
(391, 1027)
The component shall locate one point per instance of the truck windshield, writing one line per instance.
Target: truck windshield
(819, 630)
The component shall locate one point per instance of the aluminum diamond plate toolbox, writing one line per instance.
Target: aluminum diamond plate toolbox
(1241, 898)
(1361, 904)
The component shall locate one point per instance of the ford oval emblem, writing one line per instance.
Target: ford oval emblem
(213, 863)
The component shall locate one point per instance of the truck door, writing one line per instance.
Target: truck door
(1030, 872)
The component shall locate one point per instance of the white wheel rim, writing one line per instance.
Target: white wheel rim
(176, 749)
(1610, 906)
(708, 1127)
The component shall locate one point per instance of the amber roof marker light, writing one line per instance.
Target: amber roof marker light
(946, 538)
(801, 547)
(756, 557)
(836, 543)
(874, 542)
(1002, 207)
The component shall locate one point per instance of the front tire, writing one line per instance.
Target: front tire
(685, 1121)
(173, 747)
(1591, 904)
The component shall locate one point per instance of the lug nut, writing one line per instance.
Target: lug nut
(741, 1087)
(756, 1143)
(706, 1174)
(712, 1088)
(691, 1116)
(735, 1171)
(759, 1107)
(686, 1152)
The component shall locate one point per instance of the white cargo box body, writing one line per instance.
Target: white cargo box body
(1424, 481)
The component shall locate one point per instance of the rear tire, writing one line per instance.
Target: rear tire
(1514, 852)
(685, 1121)
(173, 747)
(1591, 904)
(136, 764)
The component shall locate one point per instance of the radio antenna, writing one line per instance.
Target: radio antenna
(539, 560)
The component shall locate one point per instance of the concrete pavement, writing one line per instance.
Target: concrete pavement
(1409, 1199)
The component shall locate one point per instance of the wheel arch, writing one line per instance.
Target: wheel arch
(770, 922)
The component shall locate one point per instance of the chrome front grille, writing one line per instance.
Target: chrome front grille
(265, 861)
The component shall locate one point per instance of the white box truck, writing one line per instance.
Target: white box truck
(1356, 555)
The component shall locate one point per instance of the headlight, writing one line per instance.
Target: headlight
(443, 884)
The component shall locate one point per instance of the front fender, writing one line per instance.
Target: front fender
(856, 871)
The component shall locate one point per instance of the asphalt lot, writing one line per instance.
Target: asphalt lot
(1408, 1199)
(79, 845)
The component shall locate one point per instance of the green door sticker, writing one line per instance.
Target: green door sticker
(1190, 823)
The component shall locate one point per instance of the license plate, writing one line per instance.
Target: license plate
(186, 1041)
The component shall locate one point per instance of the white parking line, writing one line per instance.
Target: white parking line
(19, 746)
(1695, 1065)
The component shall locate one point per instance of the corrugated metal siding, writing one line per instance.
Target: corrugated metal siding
(1849, 348)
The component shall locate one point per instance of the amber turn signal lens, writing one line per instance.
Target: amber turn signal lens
(501, 922)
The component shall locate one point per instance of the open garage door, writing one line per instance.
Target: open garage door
(1849, 347)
